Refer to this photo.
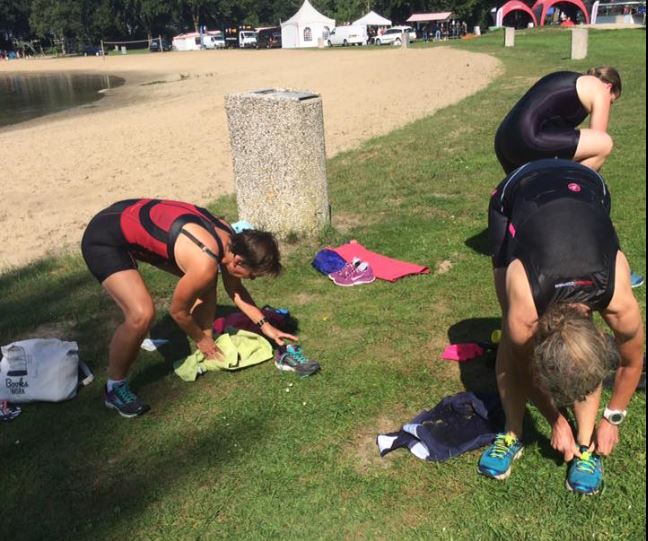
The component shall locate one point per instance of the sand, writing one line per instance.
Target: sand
(169, 139)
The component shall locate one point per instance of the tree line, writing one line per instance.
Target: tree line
(88, 21)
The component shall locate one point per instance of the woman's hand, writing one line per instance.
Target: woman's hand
(562, 438)
(277, 335)
(208, 348)
(607, 436)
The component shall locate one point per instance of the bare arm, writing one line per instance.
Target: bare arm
(195, 282)
(243, 300)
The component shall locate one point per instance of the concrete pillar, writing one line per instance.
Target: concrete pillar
(509, 36)
(405, 40)
(579, 43)
(277, 139)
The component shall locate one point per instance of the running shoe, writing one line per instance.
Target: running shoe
(585, 474)
(291, 358)
(496, 461)
(354, 275)
(122, 399)
(636, 280)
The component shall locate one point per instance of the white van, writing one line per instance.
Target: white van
(247, 39)
(348, 35)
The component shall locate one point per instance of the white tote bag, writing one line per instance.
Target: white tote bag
(41, 369)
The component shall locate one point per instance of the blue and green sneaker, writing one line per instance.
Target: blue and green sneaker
(291, 358)
(585, 473)
(124, 401)
(496, 461)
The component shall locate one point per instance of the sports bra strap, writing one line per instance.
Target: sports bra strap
(203, 247)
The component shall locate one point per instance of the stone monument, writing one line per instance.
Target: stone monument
(277, 139)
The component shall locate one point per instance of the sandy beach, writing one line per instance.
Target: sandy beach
(164, 133)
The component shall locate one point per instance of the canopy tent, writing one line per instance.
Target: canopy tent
(305, 28)
(373, 19)
(514, 5)
(541, 7)
(443, 16)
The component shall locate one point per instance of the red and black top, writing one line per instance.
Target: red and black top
(151, 228)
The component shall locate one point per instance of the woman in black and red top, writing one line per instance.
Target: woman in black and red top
(187, 241)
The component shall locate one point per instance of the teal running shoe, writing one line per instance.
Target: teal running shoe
(291, 358)
(636, 280)
(585, 473)
(496, 461)
(124, 401)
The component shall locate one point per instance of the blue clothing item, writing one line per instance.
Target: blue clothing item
(241, 225)
(327, 261)
(457, 424)
(496, 461)
(585, 473)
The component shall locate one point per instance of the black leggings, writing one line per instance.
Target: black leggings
(104, 247)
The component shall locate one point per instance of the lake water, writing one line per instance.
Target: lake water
(29, 95)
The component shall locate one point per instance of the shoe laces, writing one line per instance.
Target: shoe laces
(586, 462)
(297, 354)
(502, 445)
(124, 393)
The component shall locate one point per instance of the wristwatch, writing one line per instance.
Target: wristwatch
(614, 417)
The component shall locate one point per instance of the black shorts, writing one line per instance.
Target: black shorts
(516, 145)
(104, 247)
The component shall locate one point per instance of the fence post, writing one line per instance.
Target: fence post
(579, 43)
(509, 36)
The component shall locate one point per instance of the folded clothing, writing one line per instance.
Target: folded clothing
(277, 317)
(457, 424)
(239, 349)
(384, 268)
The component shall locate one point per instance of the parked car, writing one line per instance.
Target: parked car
(412, 32)
(268, 38)
(154, 46)
(91, 50)
(394, 36)
(214, 41)
(348, 35)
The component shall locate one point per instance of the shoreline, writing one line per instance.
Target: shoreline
(163, 133)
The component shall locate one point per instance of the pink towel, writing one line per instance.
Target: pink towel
(384, 267)
(462, 352)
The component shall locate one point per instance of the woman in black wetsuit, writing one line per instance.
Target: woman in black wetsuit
(556, 260)
(543, 124)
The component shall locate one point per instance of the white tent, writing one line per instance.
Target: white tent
(305, 28)
(373, 19)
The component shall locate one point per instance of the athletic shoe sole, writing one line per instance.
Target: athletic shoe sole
(507, 473)
(112, 406)
(356, 283)
(287, 368)
(576, 491)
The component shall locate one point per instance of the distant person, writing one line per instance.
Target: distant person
(543, 124)
(557, 259)
(184, 240)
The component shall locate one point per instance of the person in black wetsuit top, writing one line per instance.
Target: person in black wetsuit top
(543, 124)
(191, 243)
(557, 259)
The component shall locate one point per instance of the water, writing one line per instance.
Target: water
(29, 95)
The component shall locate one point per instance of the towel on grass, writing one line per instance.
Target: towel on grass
(384, 267)
(240, 349)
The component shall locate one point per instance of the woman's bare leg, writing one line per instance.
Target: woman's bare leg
(593, 149)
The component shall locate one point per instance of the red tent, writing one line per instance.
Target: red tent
(541, 6)
(518, 5)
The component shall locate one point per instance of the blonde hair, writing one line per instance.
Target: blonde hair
(571, 356)
(610, 75)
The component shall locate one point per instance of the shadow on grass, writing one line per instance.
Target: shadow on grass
(479, 243)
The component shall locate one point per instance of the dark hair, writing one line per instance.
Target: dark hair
(259, 251)
(571, 356)
(610, 75)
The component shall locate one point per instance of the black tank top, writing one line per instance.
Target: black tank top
(562, 233)
(552, 103)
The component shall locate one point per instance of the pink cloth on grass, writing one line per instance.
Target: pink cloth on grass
(239, 320)
(462, 352)
(384, 267)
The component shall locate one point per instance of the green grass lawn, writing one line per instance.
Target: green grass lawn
(236, 456)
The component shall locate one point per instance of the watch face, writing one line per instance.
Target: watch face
(615, 418)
